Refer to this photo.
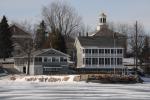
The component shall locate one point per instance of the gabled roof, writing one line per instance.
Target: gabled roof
(49, 52)
(45, 52)
(17, 31)
(104, 38)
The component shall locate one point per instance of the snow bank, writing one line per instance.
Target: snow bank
(44, 78)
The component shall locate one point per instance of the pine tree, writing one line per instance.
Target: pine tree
(146, 55)
(40, 35)
(6, 44)
(58, 41)
(145, 50)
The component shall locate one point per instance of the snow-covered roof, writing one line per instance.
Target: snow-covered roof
(7, 60)
(45, 52)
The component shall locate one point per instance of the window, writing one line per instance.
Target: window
(88, 61)
(38, 59)
(94, 51)
(65, 59)
(88, 51)
(101, 61)
(107, 61)
(45, 59)
(113, 61)
(104, 20)
(112, 51)
(49, 59)
(101, 51)
(62, 59)
(119, 61)
(119, 51)
(94, 61)
(107, 51)
(101, 20)
(54, 59)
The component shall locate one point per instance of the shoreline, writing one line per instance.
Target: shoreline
(95, 78)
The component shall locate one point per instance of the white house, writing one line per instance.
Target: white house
(45, 61)
(102, 50)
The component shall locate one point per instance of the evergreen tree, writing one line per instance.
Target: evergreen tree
(58, 41)
(146, 49)
(146, 55)
(40, 35)
(6, 44)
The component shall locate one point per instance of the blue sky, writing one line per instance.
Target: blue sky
(122, 11)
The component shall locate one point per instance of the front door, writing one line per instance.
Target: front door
(24, 69)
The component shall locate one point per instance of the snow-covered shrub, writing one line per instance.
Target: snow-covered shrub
(76, 78)
(13, 78)
(65, 78)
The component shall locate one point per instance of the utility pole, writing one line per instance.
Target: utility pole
(114, 60)
(136, 48)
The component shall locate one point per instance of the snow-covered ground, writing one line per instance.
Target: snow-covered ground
(27, 90)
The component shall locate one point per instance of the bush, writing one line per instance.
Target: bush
(76, 78)
(65, 78)
(13, 78)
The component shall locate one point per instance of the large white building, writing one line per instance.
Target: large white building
(102, 50)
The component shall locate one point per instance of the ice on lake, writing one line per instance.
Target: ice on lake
(11, 90)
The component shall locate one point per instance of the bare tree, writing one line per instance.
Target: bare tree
(60, 16)
(27, 48)
(136, 36)
(130, 32)
(112, 26)
(122, 28)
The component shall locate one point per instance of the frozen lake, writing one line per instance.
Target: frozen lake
(10, 90)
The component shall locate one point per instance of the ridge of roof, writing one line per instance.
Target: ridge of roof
(38, 52)
(15, 25)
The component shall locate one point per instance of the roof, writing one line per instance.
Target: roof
(44, 52)
(103, 15)
(17, 31)
(106, 32)
(7, 60)
(102, 41)
(104, 38)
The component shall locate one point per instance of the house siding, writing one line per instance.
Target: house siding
(53, 61)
